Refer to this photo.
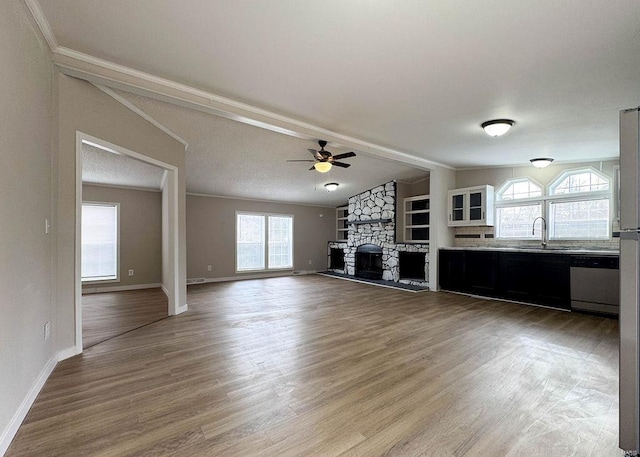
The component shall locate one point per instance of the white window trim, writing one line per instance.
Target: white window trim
(547, 199)
(109, 279)
(266, 242)
(579, 196)
(529, 201)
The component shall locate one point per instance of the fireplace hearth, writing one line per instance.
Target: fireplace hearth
(369, 261)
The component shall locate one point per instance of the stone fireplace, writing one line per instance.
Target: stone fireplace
(371, 222)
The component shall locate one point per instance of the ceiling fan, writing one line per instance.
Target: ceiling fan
(324, 160)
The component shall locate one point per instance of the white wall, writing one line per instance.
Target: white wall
(25, 186)
(211, 233)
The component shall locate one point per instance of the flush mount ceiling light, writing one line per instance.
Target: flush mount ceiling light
(541, 162)
(331, 186)
(322, 167)
(497, 127)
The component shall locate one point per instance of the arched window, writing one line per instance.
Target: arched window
(518, 204)
(579, 206)
(515, 189)
(585, 180)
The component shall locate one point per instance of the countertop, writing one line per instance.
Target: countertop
(548, 250)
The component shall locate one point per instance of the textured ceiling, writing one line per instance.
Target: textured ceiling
(415, 76)
(103, 167)
(229, 158)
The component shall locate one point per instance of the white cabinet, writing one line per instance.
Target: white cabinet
(341, 223)
(416, 219)
(471, 206)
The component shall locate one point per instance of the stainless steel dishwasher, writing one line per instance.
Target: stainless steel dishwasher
(595, 284)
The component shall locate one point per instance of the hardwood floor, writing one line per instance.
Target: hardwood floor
(110, 314)
(317, 366)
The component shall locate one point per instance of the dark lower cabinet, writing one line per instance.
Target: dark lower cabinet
(541, 279)
(451, 270)
(479, 279)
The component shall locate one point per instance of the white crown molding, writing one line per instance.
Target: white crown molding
(102, 72)
(43, 24)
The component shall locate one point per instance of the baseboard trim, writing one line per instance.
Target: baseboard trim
(16, 421)
(181, 309)
(67, 353)
(243, 277)
(165, 290)
(97, 290)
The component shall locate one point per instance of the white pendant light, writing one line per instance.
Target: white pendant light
(331, 186)
(322, 167)
(497, 127)
(541, 162)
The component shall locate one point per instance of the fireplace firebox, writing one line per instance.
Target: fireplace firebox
(336, 259)
(412, 265)
(369, 261)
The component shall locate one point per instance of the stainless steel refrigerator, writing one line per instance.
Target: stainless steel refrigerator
(629, 280)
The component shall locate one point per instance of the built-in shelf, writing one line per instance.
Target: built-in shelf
(372, 221)
(416, 219)
(342, 230)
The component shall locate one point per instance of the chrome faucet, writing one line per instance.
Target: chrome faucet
(544, 230)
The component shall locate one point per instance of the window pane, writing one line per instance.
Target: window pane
(280, 242)
(583, 220)
(585, 181)
(517, 221)
(523, 188)
(250, 242)
(99, 242)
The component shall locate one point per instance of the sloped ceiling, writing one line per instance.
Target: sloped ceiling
(418, 77)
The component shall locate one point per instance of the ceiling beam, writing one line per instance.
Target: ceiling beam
(102, 72)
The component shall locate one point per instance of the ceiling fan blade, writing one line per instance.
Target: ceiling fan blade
(340, 164)
(316, 154)
(300, 161)
(344, 156)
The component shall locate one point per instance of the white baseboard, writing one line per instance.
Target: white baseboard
(181, 309)
(69, 352)
(10, 431)
(97, 290)
(253, 276)
(165, 290)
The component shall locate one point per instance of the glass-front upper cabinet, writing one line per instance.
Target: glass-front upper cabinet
(471, 206)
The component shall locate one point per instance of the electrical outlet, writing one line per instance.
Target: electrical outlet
(47, 226)
(208, 267)
(47, 330)
(310, 262)
(130, 272)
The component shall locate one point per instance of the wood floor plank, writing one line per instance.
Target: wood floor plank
(316, 366)
(109, 314)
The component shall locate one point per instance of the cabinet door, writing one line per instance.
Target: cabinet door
(481, 272)
(457, 209)
(552, 286)
(451, 270)
(515, 271)
(477, 206)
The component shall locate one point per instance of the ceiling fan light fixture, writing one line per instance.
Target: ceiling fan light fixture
(322, 167)
(331, 186)
(541, 162)
(497, 127)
